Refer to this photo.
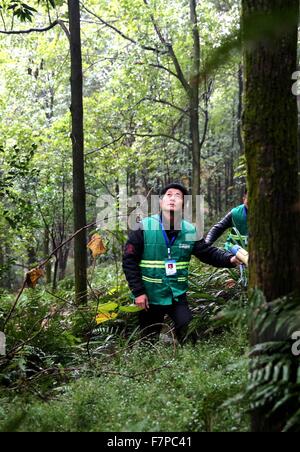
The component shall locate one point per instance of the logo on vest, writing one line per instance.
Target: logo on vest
(185, 246)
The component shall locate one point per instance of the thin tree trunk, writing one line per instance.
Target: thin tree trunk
(79, 197)
(46, 253)
(55, 274)
(63, 261)
(1, 266)
(6, 279)
(194, 107)
(209, 198)
(32, 258)
(194, 126)
(219, 191)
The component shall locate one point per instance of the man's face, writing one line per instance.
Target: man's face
(172, 201)
(246, 200)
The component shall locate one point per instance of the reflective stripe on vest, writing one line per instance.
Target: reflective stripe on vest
(161, 264)
(160, 281)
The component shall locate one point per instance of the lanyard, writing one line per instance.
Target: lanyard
(169, 242)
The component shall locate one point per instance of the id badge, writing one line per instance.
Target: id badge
(171, 269)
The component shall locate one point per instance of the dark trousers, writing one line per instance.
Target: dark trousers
(151, 321)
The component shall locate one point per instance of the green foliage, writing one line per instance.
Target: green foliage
(273, 387)
(136, 134)
(183, 392)
(241, 169)
(212, 302)
(134, 111)
(17, 173)
(39, 339)
(21, 10)
(52, 342)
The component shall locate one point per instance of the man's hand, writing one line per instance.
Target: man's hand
(234, 260)
(142, 302)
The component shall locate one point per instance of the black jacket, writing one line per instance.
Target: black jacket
(218, 229)
(134, 250)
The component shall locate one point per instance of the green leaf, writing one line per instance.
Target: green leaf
(293, 421)
(108, 307)
(130, 308)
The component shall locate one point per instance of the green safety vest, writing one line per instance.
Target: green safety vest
(239, 232)
(160, 288)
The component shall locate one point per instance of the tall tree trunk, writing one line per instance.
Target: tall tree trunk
(63, 256)
(227, 182)
(194, 107)
(240, 108)
(32, 257)
(2, 263)
(79, 197)
(55, 274)
(270, 127)
(209, 198)
(298, 107)
(194, 127)
(270, 130)
(46, 253)
(219, 191)
(216, 196)
(5, 268)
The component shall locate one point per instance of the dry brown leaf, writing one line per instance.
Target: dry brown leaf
(33, 276)
(230, 283)
(97, 246)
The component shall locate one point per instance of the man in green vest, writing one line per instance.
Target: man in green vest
(156, 263)
(236, 220)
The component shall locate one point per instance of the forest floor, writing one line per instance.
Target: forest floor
(147, 389)
(59, 383)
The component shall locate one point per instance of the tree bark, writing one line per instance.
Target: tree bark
(63, 256)
(240, 109)
(31, 256)
(270, 128)
(79, 197)
(55, 274)
(270, 132)
(194, 107)
(46, 253)
(5, 268)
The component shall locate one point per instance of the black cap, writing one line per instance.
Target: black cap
(176, 186)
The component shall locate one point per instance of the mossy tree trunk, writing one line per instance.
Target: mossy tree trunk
(270, 133)
(270, 138)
